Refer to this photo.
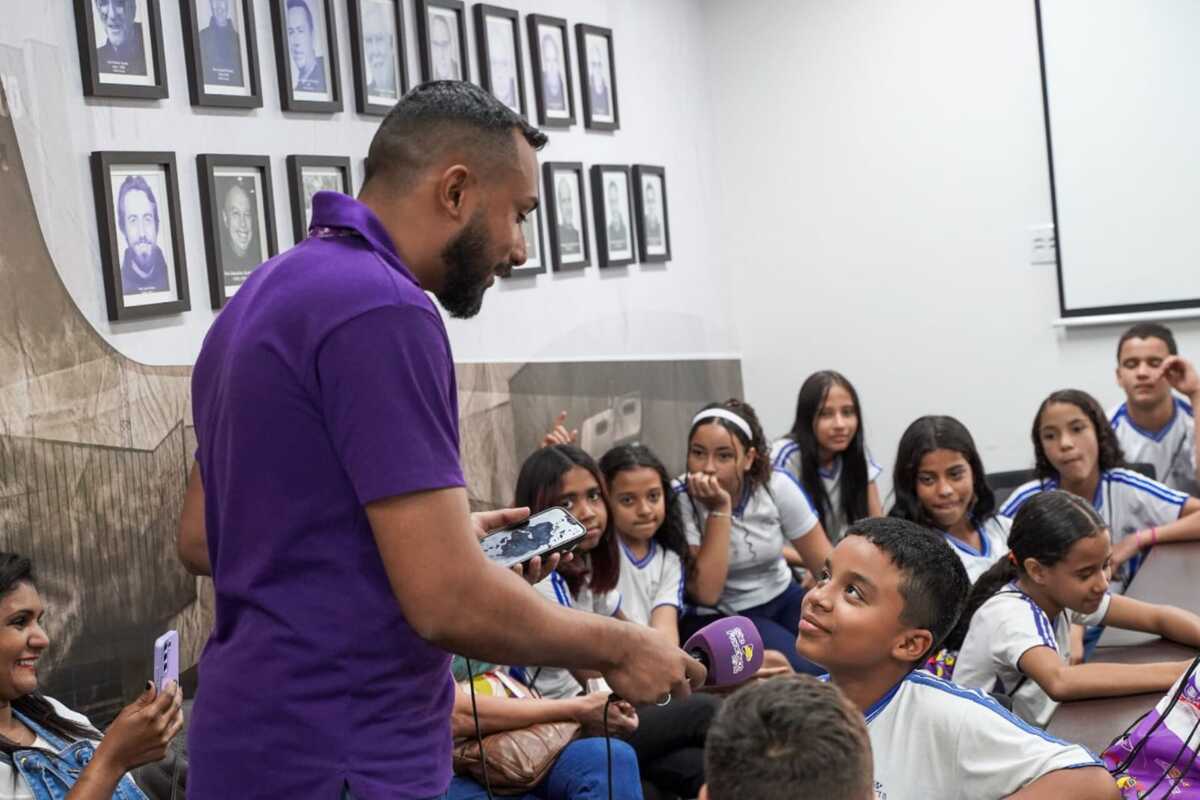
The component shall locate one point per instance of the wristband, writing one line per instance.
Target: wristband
(720, 514)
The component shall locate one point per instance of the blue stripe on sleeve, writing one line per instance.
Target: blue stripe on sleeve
(796, 481)
(780, 461)
(1152, 488)
(1016, 501)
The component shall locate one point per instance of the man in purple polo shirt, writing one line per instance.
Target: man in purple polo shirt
(328, 502)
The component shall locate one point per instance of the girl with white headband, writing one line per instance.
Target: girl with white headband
(738, 515)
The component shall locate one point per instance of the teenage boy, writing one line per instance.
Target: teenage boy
(788, 737)
(889, 594)
(1154, 425)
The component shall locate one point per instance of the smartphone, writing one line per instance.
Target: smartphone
(166, 659)
(545, 533)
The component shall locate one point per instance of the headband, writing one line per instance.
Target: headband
(728, 416)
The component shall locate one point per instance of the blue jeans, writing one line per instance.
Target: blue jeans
(580, 773)
(778, 622)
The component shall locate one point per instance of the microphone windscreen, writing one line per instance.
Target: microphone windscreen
(731, 648)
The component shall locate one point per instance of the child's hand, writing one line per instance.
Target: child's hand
(559, 433)
(1182, 375)
(589, 713)
(708, 492)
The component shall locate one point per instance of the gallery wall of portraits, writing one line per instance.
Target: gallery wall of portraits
(175, 144)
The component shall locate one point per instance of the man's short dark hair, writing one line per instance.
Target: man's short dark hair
(303, 6)
(443, 117)
(1148, 330)
(134, 183)
(934, 582)
(788, 737)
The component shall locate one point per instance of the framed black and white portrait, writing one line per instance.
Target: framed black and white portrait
(650, 203)
(219, 41)
(613, 204)
(120, 48)
(442, 33)
(535, 255)
(551, 70)
(567, 214)
(306, 55)
(377, 45)
(308, 175)
(498, 37)
(239, 219)
(598, 77)
(141, 237)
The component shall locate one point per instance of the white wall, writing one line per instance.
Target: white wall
(682, 308)
(880, 164)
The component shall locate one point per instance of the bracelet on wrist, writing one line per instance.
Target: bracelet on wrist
(720, 514)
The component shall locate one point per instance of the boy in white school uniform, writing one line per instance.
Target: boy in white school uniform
(1155, 425)
(890, 593)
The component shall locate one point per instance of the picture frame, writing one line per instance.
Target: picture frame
(501, 66)
(121, 48)
(380, 54)
(141, 239)
(238, 208)
(612, 201)
(597, 77)
(535, 252)
(442, 35)
(313, 86)
(650, 203)
(220, 46)
(566, 212)
(308, 175)
(549, 52)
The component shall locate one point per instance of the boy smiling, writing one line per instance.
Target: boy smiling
(889, 594)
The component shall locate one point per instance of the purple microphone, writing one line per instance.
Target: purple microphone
(730, 648)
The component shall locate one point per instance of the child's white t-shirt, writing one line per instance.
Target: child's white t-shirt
(933, 739)
(556, 682)
(1171, 450)
(993, 542)
(1127, 501)
(1004, 628)
(762, 523)
(650, 582)
(785, 455)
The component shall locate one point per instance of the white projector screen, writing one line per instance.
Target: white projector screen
(1122, 91)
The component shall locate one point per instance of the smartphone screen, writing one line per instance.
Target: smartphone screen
(553, 530)
(166, 659)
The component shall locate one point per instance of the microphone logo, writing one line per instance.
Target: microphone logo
(743, 651)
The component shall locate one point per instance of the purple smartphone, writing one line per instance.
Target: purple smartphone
(166, 659)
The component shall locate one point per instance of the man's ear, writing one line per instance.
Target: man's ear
(912, 645)
(452, 190)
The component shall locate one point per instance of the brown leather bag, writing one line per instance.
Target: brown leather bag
(517, 760)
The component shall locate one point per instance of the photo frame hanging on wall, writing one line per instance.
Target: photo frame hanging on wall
(597, 77)
(238, 207)
(442, 35)
(535, 254)
(501, 67)
(141, 235)
(220, 45)
(654, 222)
(377, 47)
(308, 175)
(566, 205)
(306, 55)
(613, 204)
(549, 52)
(121, 48)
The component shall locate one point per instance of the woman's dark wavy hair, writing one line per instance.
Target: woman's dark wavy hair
(1109, 449)
(759, 473)
(1045, 529)
(854, 476)
(670, 535)
(14, 571)
(539, 486)
(921, 438)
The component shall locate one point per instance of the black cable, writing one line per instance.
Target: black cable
(487, 784)
(608, 744)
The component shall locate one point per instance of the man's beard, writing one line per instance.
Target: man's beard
(467, 270)
(144, 261)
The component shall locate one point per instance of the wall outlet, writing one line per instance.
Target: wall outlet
(1043, 245)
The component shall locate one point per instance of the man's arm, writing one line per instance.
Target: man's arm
(1081, 783)
(192, 542)
(455, 598)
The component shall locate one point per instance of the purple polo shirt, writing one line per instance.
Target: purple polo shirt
(324, 384)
